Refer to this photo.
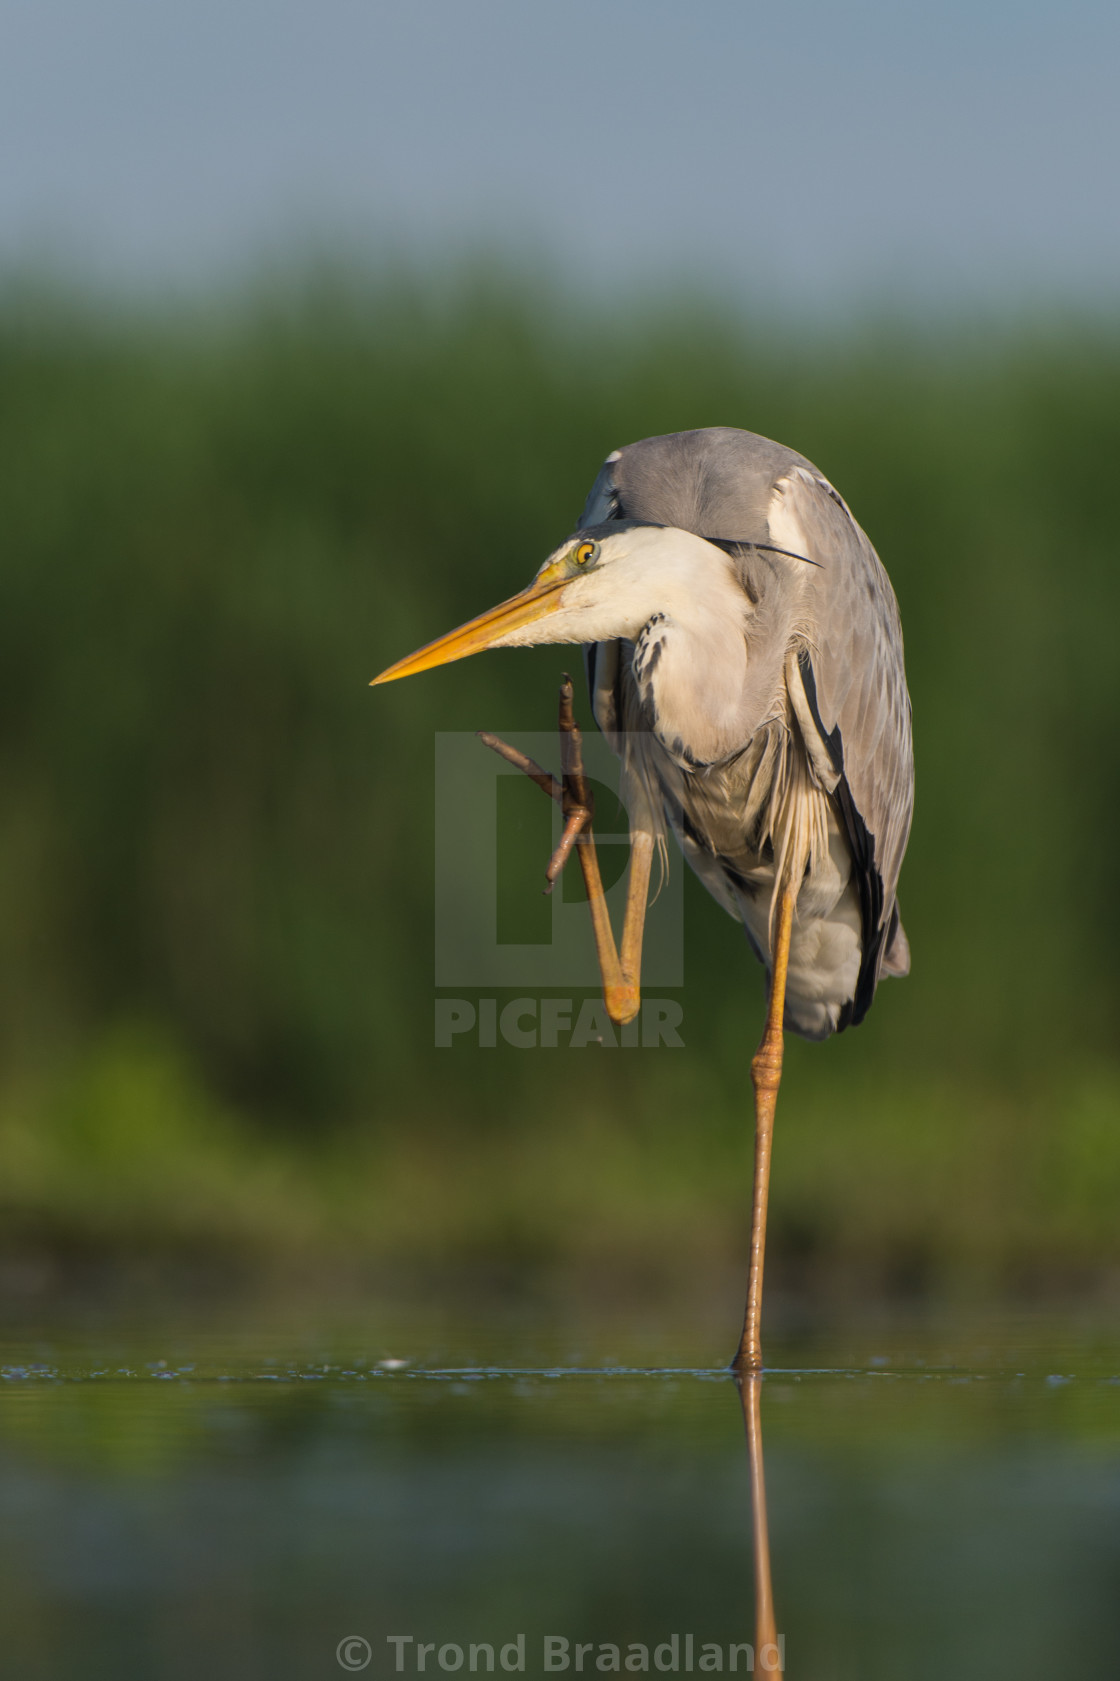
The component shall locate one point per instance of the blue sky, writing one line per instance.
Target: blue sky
(815, 154)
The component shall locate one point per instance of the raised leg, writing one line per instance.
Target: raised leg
(621, 975)
(766, 1073)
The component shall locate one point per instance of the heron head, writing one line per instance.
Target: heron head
(597, 585)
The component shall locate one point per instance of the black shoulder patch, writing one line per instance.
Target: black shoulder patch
(832, 739)
(861, 843)
(870, 886)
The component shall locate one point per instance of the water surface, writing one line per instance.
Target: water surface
(188, 1494)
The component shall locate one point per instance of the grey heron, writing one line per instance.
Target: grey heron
(744, 656)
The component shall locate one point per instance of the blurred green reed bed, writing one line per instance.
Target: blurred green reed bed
(216, 846)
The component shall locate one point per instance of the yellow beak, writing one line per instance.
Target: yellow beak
(541, 598)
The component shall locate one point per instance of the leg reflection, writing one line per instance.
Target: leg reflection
(767, 1649)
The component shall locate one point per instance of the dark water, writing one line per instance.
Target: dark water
(186, 1498)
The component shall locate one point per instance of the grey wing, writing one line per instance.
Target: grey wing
(854, 681)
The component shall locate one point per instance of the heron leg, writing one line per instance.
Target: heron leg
(766, 1074)
(621, 976)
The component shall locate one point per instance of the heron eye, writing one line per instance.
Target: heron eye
(586, 552)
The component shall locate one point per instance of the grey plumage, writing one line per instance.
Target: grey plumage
(814, 783)
(745, 661)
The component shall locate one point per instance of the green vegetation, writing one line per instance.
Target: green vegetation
(216, 842)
